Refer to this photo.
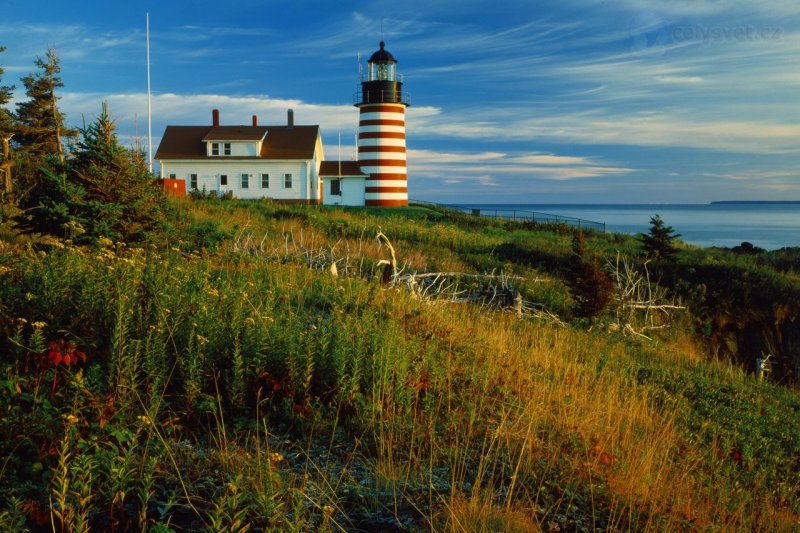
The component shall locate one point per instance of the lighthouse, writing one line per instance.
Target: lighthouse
(382, 132)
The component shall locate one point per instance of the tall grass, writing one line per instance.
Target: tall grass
(227, 390)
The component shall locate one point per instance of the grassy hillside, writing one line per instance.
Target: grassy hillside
(224, 377)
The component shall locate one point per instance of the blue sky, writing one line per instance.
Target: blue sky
(590, 101)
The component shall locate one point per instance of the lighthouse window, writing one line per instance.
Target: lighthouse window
(287, 181)
(336, 187)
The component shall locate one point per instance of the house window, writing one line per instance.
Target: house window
(172, 176)
(336, 187)
(223, 179)
(265, 181)
(227, 148)
(245, 181)
(193, 181)
(214, 148)
(287, 181)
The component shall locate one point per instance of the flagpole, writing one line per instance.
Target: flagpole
(149, 111)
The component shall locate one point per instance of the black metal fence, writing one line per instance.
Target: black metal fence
(522, 215)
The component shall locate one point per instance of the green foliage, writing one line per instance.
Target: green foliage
(226, 390)
(103, 190)
(657, 243)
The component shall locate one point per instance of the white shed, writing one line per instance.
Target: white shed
(343, 183)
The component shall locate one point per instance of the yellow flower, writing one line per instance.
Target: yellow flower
(275, 457)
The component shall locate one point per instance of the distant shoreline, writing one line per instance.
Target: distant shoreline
(755, 202)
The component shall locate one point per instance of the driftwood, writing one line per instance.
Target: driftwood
(491, 290)
(639, 300)
(389, 273)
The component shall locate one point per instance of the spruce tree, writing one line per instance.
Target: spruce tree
(40, 123)
(657, 243)
(103, 190)
(6, 122)
(6, 130)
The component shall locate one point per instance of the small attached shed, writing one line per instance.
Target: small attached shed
(343, 183)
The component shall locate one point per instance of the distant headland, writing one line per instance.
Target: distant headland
(750, 202)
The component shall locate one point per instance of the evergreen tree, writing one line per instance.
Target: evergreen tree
(103, 190)
(590, 285)
(6, 130)
(6, 122)
(40, 123)
(657, 243)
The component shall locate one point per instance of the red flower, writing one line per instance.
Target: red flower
(65, 352)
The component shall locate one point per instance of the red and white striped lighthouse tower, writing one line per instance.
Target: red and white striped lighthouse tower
(382, 131)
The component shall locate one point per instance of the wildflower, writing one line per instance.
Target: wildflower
(202, 340)
(39, 325)
(65, 352)
(249, 322)
(29, 296)
(327, 511)
(275, 457)
(144, 420)
(71, 419)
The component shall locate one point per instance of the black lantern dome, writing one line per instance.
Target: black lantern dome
(382, 55)
(382, 83)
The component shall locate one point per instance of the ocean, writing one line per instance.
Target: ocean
(768, 225)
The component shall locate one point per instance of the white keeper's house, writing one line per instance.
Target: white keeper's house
(252, 161)
(287, 162)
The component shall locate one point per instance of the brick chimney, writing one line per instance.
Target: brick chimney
(215, 117)
(255, 120)
(290, 117)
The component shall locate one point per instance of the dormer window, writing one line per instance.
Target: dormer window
(227, 148)
(214, 148)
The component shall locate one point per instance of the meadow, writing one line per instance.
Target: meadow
(225, 376)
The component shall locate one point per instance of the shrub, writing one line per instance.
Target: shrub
(591, 287)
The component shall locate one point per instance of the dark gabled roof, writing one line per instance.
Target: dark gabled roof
(290, 142)
(236, 133)
(182, 142)
(281, 142)
(348, 168)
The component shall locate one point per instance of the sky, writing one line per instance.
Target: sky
(567, 101)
